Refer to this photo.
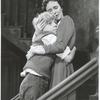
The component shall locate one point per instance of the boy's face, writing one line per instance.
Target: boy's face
(55, 9)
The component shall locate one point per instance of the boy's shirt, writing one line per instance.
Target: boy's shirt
(47, 37)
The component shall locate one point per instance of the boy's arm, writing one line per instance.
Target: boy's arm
(35, 35)
(30, 53)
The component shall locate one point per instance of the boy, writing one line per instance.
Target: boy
(44, 37)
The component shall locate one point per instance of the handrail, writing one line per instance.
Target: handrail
(15, 97)
(73, 81)
(70, 83)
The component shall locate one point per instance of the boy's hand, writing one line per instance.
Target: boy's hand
(41, 20)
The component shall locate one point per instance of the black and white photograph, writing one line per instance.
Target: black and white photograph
(49, 49)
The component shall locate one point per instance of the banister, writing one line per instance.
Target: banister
(70, 83)
(72, 79)
(74, 84)
(15, 97)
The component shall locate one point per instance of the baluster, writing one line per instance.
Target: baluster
(26, 20)
(7, 8)
(15, 13)
(23, 16)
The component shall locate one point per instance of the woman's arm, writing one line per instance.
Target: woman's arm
(34, 50)
(65, 36)
(65, 33)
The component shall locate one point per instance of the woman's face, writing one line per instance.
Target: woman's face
(55, 9)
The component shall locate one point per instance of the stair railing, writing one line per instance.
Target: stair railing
(63, 89)
(67, 86)
(16, 97)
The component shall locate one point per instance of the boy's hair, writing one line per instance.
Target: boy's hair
(45, 2)
(44, 16)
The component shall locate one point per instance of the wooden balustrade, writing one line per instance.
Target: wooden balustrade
(15, 13)
(67, 86)
(65, 89)
(7, 11)
(16, 97)
(18, 14)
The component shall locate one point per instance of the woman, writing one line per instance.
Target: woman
(59, 71)
(36, 85)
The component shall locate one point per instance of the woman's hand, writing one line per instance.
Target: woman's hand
(70, 56)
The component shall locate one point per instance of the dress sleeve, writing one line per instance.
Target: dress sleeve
(64, 34)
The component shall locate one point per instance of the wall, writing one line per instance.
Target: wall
(85, 15)
(12, 62)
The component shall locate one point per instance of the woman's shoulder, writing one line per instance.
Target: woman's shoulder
(67, 17)
(67, 20)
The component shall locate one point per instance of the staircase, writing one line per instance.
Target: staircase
(65, 90)
(13, 35)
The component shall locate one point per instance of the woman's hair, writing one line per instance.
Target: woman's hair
(45, 2)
